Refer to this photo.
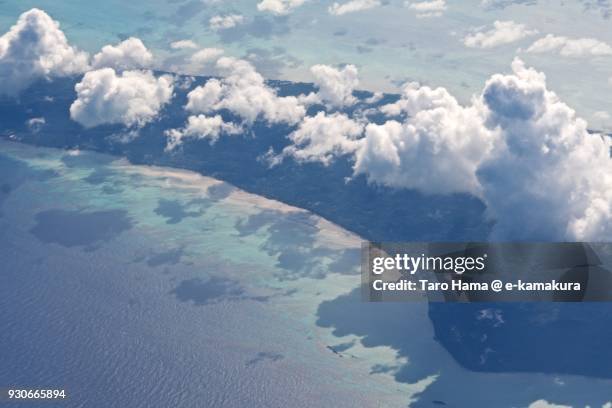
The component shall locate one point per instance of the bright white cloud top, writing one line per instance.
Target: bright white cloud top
(335, 85)
(503, 32)
(36, 48)
(548, 170)
(201, 127)
(224, 22)
(131, 98)
(425, 9)
(183, 44)
(206, 56)
(321, 137)
(243, 91)
(128, 54)
(435, 149)
(569, 47)
(517, 146)
(352, 6)
(279, 7)
(541, 403)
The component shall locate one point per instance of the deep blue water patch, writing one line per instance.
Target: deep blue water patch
(80, 228)
(220, 191)
(169, 257)
(204, 292)
(291, 240)
(98, 176)
(175, 211)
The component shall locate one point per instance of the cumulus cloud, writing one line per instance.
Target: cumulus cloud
(128, 54)
(375, 98)
(517, 146)
(206, 56)
(436, 148)
(321, 137)
(225, 22)
(502, 4)
(425, 9)
(545, 404)
(279, 7)
(243, 91)
(601, 115)
(201, 127)
(352, 6)
(503, 32)
(36, 124)
(568, 47)
(36, 48)
(183, 44)
(549, 171)
(131, 98)
(335, 85)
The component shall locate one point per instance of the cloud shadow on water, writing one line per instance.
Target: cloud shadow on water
(292, 240)
(205, 292)
(175, 211)
(515, 338)
(169, 257)
(79, 228)
(220, 191)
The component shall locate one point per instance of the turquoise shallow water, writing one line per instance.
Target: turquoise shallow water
(142, 286)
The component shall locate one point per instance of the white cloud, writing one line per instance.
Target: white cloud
(375, 98)
(319, 138)
(544, 168)
(503, 32)
(545, 404)
(424, 9)
(132, 98)
(437, 148)
(206, 56)
(549, 171)
(183, 44)
(206, 97)
(279, 7)
(225, 22)
(128, 54)
(601, 115)
(242, 90)
(335, 85)
(201, 127)
(36, 48)
(36, 124)
(569, 47)
(352, 6)
(518, 147)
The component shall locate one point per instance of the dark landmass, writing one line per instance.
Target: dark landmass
(374, 212)
(546, 338)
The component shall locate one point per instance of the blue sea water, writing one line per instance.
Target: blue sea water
(139, 286)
